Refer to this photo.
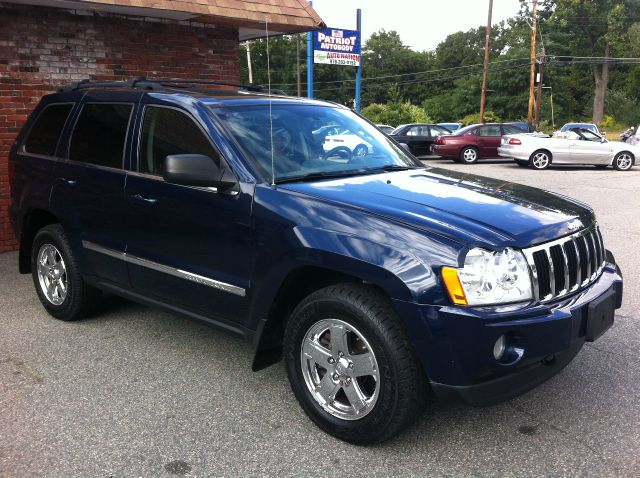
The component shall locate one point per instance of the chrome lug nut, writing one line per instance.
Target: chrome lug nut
(351, 365)
(332, 360)
(336, 376)
(348, 381)
(340, 354)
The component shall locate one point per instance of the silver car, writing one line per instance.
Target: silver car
(578, 146)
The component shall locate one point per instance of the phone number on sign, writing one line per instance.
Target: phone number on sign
(343, 62)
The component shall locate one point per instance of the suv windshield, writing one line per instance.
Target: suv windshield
(311, 141)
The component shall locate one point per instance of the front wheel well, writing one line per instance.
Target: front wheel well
(298, 284)
(33, 221)
(633, 156)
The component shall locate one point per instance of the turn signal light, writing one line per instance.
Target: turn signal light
(515, 141)
(454, 286)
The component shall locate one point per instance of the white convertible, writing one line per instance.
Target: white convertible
(580, 146)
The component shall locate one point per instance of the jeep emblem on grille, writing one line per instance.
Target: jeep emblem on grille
(575, 225)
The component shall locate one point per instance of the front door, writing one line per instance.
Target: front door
(489, 138)
(187, 246)
(88, 194)
(588, 148)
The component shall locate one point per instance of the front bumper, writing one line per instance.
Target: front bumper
(455, 344)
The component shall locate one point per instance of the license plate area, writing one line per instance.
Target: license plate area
(600, 314)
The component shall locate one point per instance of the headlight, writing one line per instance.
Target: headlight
(489, 278)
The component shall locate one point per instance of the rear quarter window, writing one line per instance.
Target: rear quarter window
(45, 133)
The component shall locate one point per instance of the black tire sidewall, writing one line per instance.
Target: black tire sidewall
(371, 427)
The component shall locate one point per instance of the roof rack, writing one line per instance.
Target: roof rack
(159, 84)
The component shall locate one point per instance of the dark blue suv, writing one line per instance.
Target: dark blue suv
(301, 227)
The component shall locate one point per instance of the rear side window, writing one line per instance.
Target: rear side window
(45, 133)
(100, 134)
(166, 131)
(508, 129)
(489, 131)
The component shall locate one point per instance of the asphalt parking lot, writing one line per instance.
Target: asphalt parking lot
(137, 392)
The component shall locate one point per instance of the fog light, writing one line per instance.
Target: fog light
(499, 347)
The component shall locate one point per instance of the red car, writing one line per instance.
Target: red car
(474, 142)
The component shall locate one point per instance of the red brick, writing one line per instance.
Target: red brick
(42, 48)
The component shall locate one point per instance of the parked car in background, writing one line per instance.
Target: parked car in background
(386, 129)
(569, 126)
(452, 126)
(635, 137)
(579, 146)
(338, 139)
(474, 142)
(419, 137)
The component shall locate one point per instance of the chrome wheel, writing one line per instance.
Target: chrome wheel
(540, 160)
(469, 155)
(624, 161)
(52, 274)
(340, 369)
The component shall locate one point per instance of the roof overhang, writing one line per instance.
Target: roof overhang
(249, 16)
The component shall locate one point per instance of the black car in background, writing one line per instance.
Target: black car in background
(419, 137)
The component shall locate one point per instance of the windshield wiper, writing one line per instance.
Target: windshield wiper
(396, 167)
(321, 175)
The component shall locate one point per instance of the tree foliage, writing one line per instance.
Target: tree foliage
(446, 81)
(395, 113)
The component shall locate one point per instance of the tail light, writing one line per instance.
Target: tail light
(338, 140)
(637, 138)
(515, 141)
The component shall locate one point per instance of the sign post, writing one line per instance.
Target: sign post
(310, 62)
(359, 69)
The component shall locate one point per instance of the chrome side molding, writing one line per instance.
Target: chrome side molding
(182, 274)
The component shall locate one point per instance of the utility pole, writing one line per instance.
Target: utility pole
(539, 92)
(248, 47)
(298, 64)
(485, 70)
(533, 65)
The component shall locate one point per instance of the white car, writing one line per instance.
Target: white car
(635, 137)
(345, 139)
(579, 146)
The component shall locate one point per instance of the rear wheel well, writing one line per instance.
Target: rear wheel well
(298, 285)
(542, 150)
(33, 221)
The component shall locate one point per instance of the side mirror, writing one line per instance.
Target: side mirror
(197, 170)
(603, 133)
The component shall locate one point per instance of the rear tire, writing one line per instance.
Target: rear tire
(56, 276)
(522, 164)
(602, 166)
(623, 161)
(378, 365)
(469, 155)
(540, 159)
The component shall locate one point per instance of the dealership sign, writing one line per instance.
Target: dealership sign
(336, 47)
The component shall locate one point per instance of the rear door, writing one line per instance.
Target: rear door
(417, 138)
(88, 193)
(489, 137)
(187, 246)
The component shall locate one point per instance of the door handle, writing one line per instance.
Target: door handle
(140, 199)
(68, 182)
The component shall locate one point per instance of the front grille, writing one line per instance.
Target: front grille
(563, 266)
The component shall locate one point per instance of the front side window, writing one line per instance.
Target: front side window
(45, 133)
(100, 134)
(439, 131)
(165, 132)
(298, 138)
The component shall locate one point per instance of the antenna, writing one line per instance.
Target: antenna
(273, 168)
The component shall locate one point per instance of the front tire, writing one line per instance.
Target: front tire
(351, 366)
(469, 155)
(56, 276)
(623, 161)
(540, 159)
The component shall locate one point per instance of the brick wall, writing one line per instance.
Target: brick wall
(41, 48)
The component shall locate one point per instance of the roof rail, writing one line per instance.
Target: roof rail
(158, 84)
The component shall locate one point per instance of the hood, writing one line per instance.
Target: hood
(469, 209)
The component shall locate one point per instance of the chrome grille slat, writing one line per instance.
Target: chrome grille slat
(554, 269)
